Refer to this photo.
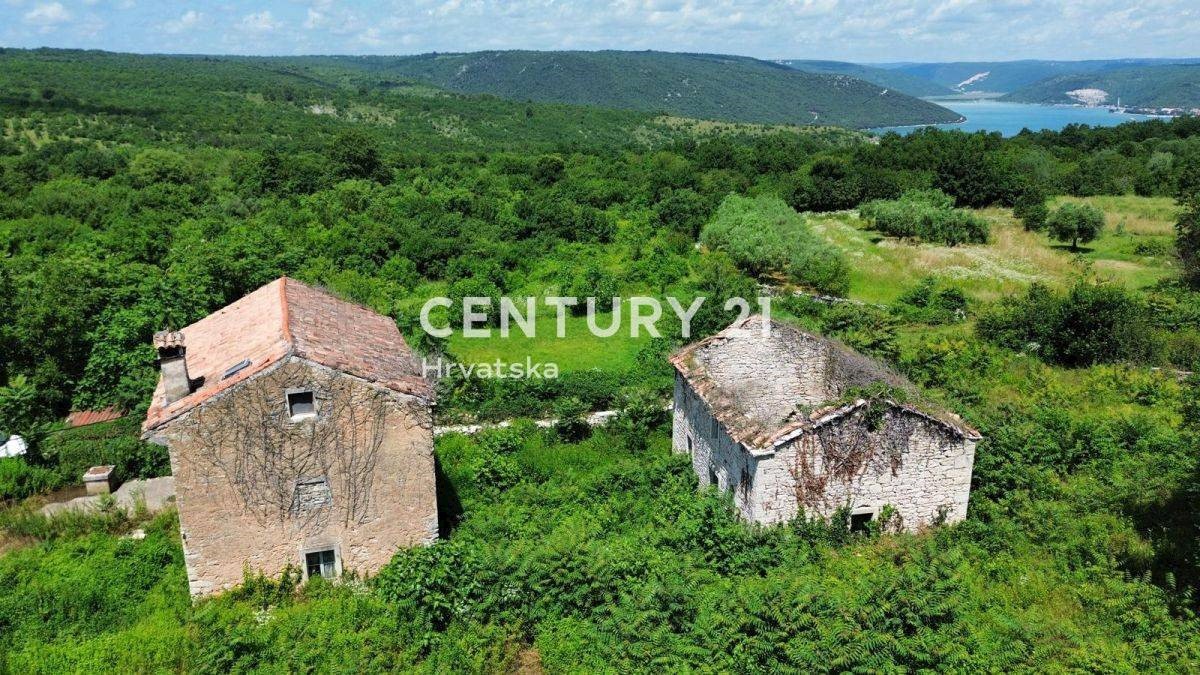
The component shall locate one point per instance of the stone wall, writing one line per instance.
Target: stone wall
(915, 465)
(256, 489)
(712, 450)
(768, 394)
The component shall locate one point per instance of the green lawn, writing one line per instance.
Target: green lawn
(577, 350)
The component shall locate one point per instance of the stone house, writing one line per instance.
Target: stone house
(778, 417)
(300, 433)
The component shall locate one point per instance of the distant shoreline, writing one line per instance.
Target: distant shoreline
(985, 107)
(884, 130)
(965, 96)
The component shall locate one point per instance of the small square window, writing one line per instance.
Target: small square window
(301, 404)
(321, 564)
(860, 521)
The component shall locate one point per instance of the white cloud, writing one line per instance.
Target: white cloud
(47, 14)
(883, 30)
(183, 24)
(371, 37)
(315, 19)
(259, 22)
(324, 16)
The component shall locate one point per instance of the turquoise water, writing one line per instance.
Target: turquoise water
(1010, 118)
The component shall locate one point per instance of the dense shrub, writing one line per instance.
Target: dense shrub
(927, 215)
(955, 366)
(1031, 209)
(763, 235)
(1187, 240)
(495, 399)
(570, 419)
(867, 329)
(931, 302)
(1092, 323)
(72, 451)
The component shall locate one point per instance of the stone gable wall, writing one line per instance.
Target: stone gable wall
(929, 483)
(249, 503)
(770, 393)
(926, 476)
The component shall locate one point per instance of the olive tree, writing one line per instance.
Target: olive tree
(1075, 223)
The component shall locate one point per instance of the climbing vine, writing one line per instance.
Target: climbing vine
(306, 471)
(871, 438)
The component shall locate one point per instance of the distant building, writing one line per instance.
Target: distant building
(300, 433)
(773, 417)
(83, 418)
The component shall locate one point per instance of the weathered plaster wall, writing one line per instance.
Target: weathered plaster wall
(235, 511)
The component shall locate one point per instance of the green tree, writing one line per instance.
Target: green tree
(1031, 208)
(355, 155)
(156, 165)
(1076, 223)
(18, 407)
(1187, 240)
(764, 235)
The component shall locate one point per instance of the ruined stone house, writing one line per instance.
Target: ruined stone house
(780, 418)
(300, 433)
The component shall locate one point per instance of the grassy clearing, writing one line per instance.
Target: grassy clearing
(1135, 250)
(1137, 245)
(884, 267)
(1147, 216)
(577, 350)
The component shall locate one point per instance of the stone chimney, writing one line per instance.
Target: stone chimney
(172, 365)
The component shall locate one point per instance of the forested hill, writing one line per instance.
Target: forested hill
(1174, 86)
(887, 78)
(239, 102)
(693, 85)
(1009, 76)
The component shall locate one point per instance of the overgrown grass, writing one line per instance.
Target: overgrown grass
(597, 558)
(1134, 250)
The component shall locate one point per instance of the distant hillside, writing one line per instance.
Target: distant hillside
(1150, 87)
(888, 79)
(693, 85)
(1008, 76)
(304, 102)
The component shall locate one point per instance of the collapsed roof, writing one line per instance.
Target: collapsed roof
(765, 380)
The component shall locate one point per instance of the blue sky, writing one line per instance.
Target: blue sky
(888, 30)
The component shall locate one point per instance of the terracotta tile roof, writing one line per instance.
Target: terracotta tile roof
(82, 418)
(284, 318)
(767, 387)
